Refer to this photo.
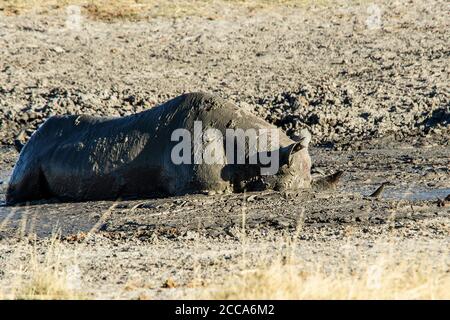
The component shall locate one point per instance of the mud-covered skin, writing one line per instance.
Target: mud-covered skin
(79, 158)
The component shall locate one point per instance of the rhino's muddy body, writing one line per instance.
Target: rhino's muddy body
(77, 158)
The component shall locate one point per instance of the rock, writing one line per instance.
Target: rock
(20, 141)
(445, 202)
(282, 222)
(58, 49)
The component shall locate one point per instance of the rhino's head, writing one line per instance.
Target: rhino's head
(295, 165)
(291, 172)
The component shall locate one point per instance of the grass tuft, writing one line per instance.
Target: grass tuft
(48, 275)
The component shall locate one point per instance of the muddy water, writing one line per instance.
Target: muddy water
(418, 194)
(415, 193)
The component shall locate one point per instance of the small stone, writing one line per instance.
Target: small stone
(24, 117)
(282, 222)
(191, 235)
(58, 49)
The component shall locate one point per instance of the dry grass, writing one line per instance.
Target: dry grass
(387, 277)
(285, 269)
(42, 271)
(393, 272)
(134, 10)
(49, 274)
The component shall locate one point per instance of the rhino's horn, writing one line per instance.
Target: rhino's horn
(304, 138)
(328, 182)
(301, 142)
(286, 153)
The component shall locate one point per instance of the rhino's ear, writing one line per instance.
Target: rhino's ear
(304, 137)
(286, 153)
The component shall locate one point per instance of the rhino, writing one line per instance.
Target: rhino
(82, 157)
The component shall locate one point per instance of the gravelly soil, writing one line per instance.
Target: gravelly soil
(376, 98)
(334, 69)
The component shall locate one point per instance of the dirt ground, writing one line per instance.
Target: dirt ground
(370, 80)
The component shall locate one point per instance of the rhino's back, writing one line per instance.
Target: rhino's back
(213, 112)
(85, 157)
